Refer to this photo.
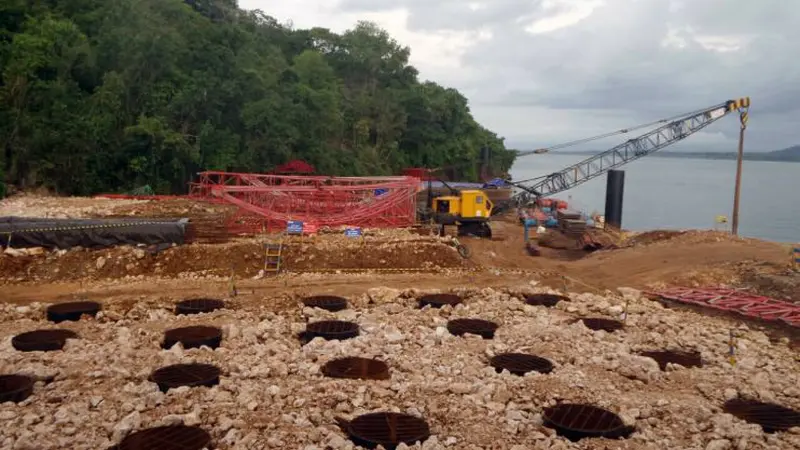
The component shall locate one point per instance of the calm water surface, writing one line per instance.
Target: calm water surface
(667, 193)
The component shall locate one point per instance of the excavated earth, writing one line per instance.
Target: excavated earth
(272, 394)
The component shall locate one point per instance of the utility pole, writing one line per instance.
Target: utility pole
(738, 188)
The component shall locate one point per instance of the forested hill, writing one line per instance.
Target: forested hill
(108, 95)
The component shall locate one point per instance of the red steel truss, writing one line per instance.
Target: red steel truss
(268, 201)
(736, 301)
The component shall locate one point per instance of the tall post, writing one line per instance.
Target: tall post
(615, 188)
(738, 186)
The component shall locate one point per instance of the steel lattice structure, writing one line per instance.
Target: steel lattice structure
(735, 301)
(630, 150)
(268, 202)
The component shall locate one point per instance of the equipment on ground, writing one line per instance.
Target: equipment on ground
(468, 209)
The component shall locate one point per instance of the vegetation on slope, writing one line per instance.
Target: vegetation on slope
(107, 95)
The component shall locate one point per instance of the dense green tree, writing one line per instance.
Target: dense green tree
(107, 95)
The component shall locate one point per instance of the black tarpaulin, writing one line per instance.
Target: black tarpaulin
(23, 232)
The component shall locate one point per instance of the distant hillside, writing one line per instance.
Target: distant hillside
(791, 154)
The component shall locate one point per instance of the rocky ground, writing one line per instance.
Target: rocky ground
(272, 394)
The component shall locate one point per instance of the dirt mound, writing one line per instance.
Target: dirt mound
(245, 258)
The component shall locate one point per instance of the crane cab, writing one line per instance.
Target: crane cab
(470, 211)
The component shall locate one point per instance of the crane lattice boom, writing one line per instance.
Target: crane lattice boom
(630, 150)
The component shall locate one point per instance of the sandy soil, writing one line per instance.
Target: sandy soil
(273, 396)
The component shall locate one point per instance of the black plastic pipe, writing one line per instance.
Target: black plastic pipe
(615, 188)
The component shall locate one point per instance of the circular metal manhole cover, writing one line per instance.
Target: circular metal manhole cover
(191, 375)
(597, 324)
(482, 328)
(357, 368)
(42, 340)
(388, 429)
(576, 421)
(198, 305)
(15, 388)
(175, 437)
(330, 303)
(521, 363)
(770, 416)
(548, 300)
(439, 300)
(664, 357)
(331, 329)
(71, 311)
(193, 337)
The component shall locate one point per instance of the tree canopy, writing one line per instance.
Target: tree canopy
(108, 95)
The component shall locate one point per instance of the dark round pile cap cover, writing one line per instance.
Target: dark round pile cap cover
(521, 363)
(42, 340)
(357, 368)
(483, 328)
(173, 437)
(71, 311)
(683, 358)
(198, 305)
(576, 421)
(15, 388)
(600, 323)
(332, 329)
(193, 374)
(548, 300)
(439, 300)
(327, 302)
(771, 417)
(388, 429)
(193, 337)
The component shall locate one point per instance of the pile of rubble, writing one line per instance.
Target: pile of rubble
(273, 395)
(26, 205)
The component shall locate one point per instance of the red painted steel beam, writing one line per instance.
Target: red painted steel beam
(737, 301)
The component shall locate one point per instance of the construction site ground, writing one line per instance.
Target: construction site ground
(381, 273)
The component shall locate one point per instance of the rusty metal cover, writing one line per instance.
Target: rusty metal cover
(439, 300)
(548, 300)
(520, 363)
(15, 388)
(330, 303)
(607, 325)
(388, 429)
(664, 357)
(771, 417)
(71, 311)
(576, 421)
(193, 337)
(174, 437)
(42, 340)
(198, 305)
(357, 368)
(332, 329)
(483, 328)
(191, 375)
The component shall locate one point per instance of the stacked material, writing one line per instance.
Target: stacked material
(571, 222)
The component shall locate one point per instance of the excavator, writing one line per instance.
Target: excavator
(471, 211)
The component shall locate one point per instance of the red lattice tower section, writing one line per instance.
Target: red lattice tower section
(735, 301)
(268, 202)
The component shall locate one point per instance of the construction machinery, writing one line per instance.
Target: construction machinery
(668, 131)
(468, 209)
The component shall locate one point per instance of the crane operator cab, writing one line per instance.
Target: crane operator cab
(470, 211)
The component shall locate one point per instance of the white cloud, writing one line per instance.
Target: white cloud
(561, 14)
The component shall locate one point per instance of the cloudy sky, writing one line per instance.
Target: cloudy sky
(543, 72)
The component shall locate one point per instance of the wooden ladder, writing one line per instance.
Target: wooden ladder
(272, 256)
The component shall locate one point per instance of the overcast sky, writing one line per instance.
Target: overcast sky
(543, 72)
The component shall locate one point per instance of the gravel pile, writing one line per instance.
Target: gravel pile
(273, 395)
